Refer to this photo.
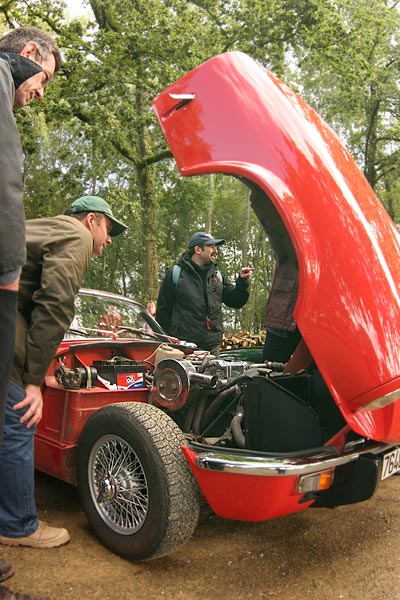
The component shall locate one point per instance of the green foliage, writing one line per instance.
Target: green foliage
(348, 68)
(96, 133)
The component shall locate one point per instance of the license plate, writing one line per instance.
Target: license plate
(390, 463)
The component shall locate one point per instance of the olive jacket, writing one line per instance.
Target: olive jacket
(59, 250)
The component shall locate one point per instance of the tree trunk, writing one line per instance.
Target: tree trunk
(389, 199)
(148, 234)
(210, 202)
(147, 198)
(245, 237)
(371, 141)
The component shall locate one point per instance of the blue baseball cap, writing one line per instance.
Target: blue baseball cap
(204, 239)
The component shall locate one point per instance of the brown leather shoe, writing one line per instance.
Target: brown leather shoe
(44, 537)
(6, 569)
(6, 594)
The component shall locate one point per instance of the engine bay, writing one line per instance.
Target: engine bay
(222, 402)
(230, 403)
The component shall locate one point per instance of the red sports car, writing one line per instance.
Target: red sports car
(146, 425)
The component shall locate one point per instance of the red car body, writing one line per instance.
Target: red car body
(232, 116)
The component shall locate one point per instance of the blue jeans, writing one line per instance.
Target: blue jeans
(8, 312)
(17, 476)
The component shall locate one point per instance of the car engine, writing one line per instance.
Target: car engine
(223, 401)
(230, 403)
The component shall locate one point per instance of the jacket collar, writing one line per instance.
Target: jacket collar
(21, 68)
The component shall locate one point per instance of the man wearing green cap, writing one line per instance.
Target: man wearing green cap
(59, 250)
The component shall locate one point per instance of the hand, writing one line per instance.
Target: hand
(12, 286)
(245, 272)
(33, 399)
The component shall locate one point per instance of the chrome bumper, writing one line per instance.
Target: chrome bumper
(273, 466)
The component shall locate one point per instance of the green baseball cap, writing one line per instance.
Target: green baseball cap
(96, 204)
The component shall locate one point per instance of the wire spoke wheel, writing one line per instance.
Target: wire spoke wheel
(134, 483)
(118, 484)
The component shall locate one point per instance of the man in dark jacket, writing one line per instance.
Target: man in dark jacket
(282, 334)
(29, 58)
(191, 295)
(59, 250)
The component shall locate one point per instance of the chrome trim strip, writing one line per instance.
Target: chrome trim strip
(275, 467)
(182, 96)
(381, 402)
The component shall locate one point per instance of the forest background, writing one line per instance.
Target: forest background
(95, 132)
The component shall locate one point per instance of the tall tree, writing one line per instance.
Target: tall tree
(348, 66)
(96, 133)
(130, 62)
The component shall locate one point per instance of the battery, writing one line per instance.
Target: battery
(124, 373)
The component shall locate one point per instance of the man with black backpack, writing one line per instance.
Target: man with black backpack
(193, 291)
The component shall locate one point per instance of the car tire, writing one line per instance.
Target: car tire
(134, 483)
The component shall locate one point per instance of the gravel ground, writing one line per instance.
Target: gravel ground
(350, 553)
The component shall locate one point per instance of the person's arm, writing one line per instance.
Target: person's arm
(165, 302)
(65, 260)
(236, 296)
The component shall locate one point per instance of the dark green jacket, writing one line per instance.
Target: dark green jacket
(12, 215)
(59, 250)
(191, 309)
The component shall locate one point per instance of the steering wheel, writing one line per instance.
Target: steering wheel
(77, 331)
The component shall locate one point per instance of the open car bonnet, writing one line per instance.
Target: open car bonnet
(232, 116)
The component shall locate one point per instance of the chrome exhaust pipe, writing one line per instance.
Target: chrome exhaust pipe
(209, 380)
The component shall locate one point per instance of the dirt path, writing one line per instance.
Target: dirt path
(351, 553)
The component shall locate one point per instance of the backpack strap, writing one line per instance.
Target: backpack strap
(176, 271)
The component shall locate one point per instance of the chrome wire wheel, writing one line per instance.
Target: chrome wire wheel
(118, 485)
(134, 483)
